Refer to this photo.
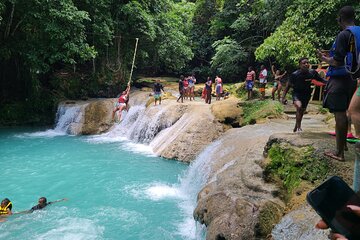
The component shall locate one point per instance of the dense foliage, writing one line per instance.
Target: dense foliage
(57, 49)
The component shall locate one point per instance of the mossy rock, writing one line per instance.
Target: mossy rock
(256, 110)
(269, 215)
(289, 165)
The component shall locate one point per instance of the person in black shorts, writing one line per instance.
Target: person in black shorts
(341, 86)
(300, 81)
(181, 89)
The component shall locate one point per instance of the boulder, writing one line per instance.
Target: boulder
(228, 111)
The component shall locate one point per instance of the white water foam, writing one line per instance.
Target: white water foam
(65, 117)
(159, 192)
(155, 191)
(193, 180)
(116, 134)
(50, 133)
(190, 184)
(74, 228)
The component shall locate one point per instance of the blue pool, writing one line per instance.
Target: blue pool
(116, 189)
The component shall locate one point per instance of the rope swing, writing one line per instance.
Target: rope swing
(133, 62)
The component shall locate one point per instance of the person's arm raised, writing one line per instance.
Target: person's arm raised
(273, 70)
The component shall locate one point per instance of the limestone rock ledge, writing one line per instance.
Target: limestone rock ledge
(236, 203)
(94, 116)
(194, 129)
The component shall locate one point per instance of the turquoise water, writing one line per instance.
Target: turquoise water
(116, 189)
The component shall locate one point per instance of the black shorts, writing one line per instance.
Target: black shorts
(337, 102)
(304, 98)
(338, 94)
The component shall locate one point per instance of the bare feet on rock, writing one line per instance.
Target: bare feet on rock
(335, 156)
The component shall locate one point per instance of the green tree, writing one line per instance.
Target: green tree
(228, 57)
(308, 25)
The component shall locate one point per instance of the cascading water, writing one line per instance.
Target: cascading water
(66, 116)
(141, 125)
(191, 183)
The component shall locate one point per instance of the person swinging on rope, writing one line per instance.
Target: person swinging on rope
(121, 103)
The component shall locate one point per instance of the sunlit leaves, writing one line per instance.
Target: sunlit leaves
(308, 25)
(228, 56)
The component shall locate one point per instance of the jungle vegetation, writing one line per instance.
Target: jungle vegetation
(61, 49)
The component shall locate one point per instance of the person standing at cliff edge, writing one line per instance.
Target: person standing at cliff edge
(263, 80)
(158, 87)
(340, 87)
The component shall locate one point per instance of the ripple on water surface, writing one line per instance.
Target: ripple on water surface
(113, 193)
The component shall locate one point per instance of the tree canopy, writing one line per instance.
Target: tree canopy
(73, 49)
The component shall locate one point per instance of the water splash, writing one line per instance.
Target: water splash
(66, 116)
(190, 184)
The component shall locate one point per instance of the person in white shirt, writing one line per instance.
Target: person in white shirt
(263, 80)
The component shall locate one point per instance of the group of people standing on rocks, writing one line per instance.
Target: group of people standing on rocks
(279, 81)
(186, 88)
(341, 96)
(6, 207)
(218, 88)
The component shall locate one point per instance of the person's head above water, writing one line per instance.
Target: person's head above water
(6, 203)
(42, 201)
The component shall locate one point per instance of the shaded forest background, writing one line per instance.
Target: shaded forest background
(75, 49)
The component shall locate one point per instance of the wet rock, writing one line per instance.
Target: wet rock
(97, 117)
(193, 130)
(299, 224)
(236, 203)
(94, 116)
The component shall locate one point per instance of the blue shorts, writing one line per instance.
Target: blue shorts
(157, 95)
(249, 85)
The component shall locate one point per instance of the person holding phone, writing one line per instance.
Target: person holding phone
(336, 236)
(338, 206)
(340, 87)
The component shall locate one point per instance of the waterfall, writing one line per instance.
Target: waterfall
(142, 124)
(67, 117)
(191, 183)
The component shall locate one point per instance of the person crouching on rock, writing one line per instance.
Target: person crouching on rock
(121, 103)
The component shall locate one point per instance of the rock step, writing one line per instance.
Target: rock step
(292, 116)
